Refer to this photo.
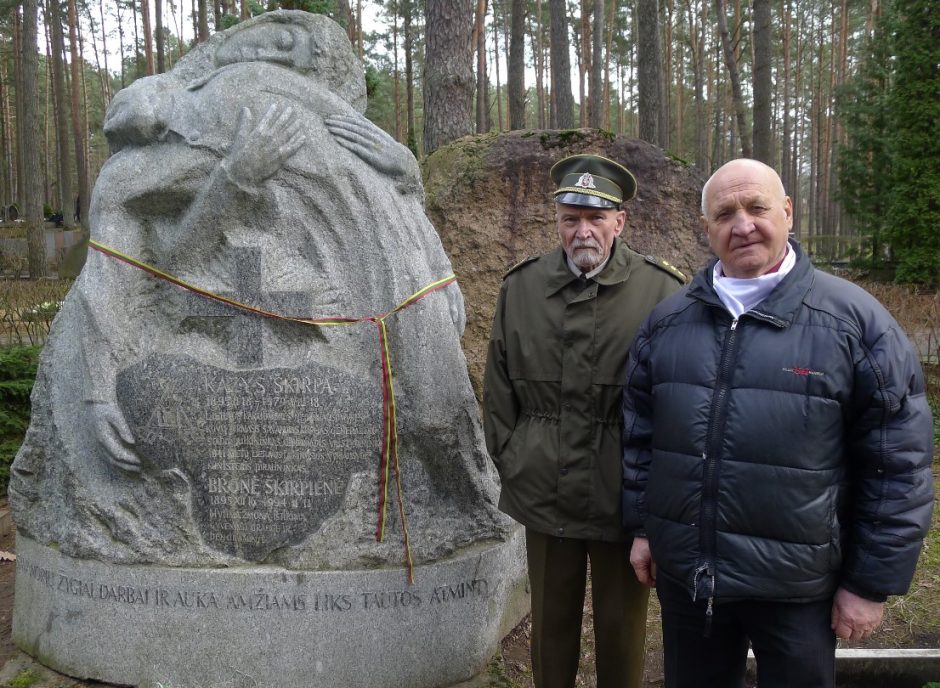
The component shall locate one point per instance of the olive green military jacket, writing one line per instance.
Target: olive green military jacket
(553, 388)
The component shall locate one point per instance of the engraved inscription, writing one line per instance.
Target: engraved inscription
(269, 453)
(257, 599)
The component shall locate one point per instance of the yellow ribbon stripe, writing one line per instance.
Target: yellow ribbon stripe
(389, 450)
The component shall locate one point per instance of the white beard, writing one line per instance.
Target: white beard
(586, 254)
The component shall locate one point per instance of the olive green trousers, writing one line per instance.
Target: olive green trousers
(557, 577)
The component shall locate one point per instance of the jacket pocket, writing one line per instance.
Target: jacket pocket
(511, 458)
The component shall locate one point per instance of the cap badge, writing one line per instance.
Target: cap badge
(586, 181)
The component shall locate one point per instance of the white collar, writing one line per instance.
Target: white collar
(741, 295)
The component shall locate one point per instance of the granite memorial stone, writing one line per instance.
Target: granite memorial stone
(209, 487)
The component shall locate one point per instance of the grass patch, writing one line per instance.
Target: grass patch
(25, 679)
(13, 231)
(497, 674)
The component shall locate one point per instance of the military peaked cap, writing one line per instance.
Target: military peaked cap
(592, 180)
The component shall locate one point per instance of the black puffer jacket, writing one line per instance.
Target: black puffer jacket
(782, 455)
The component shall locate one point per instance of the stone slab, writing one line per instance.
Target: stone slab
(898, 668)
(880, 667)
(260, 626)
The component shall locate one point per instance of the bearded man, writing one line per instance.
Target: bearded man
(552, 392)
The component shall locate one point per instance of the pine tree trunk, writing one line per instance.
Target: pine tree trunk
(344, 16)
(359, 47)
(539, 53)
(649, 72)
(161, 39)
(397, 76)
(796, 159)
(678, 142)
(562, 99)
(120, 29)
(57, 48)
(610, 37)
(716, 117)
(582, 49)
(479, 40)
(47, 112)
(78, 126)
(763, 83)
(409, 78)
(665, 132)
(31, 211)
(621, 76)
(103, 74)
(634, 69)
(18, 101)
(732, 65)
(203, 27)
(448, 84)
(499, 101)
(702, 157)
(85, 135)
(597, 66)
(137, 54)
(838, 211)
(148, 35)
(786, 105)
(6, 143)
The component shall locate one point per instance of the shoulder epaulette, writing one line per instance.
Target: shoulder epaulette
(667, 267)
(518, 265)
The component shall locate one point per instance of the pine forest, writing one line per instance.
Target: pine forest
(842, 97)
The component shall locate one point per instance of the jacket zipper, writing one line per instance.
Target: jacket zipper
(708, 517)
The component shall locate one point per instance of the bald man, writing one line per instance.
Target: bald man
(777, 451)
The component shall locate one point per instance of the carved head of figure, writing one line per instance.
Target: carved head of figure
(140, 114)
(307, 43)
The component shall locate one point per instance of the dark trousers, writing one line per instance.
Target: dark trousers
(557, 577)
(793, 642)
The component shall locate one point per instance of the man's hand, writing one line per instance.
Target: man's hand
(258, 153)
(642, 561)
(854, 617)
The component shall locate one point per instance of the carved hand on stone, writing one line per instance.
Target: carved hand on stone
(258, 153)
(372, 144)
(115, 437)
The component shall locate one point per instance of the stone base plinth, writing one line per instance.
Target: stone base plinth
(267, 627)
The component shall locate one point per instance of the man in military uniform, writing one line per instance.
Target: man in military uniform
(552, 396)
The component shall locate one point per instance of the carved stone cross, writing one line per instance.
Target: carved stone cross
(245, 329)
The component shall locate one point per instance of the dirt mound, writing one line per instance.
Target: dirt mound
(489, 196)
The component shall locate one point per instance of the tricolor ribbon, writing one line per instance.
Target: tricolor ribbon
(389, 452)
